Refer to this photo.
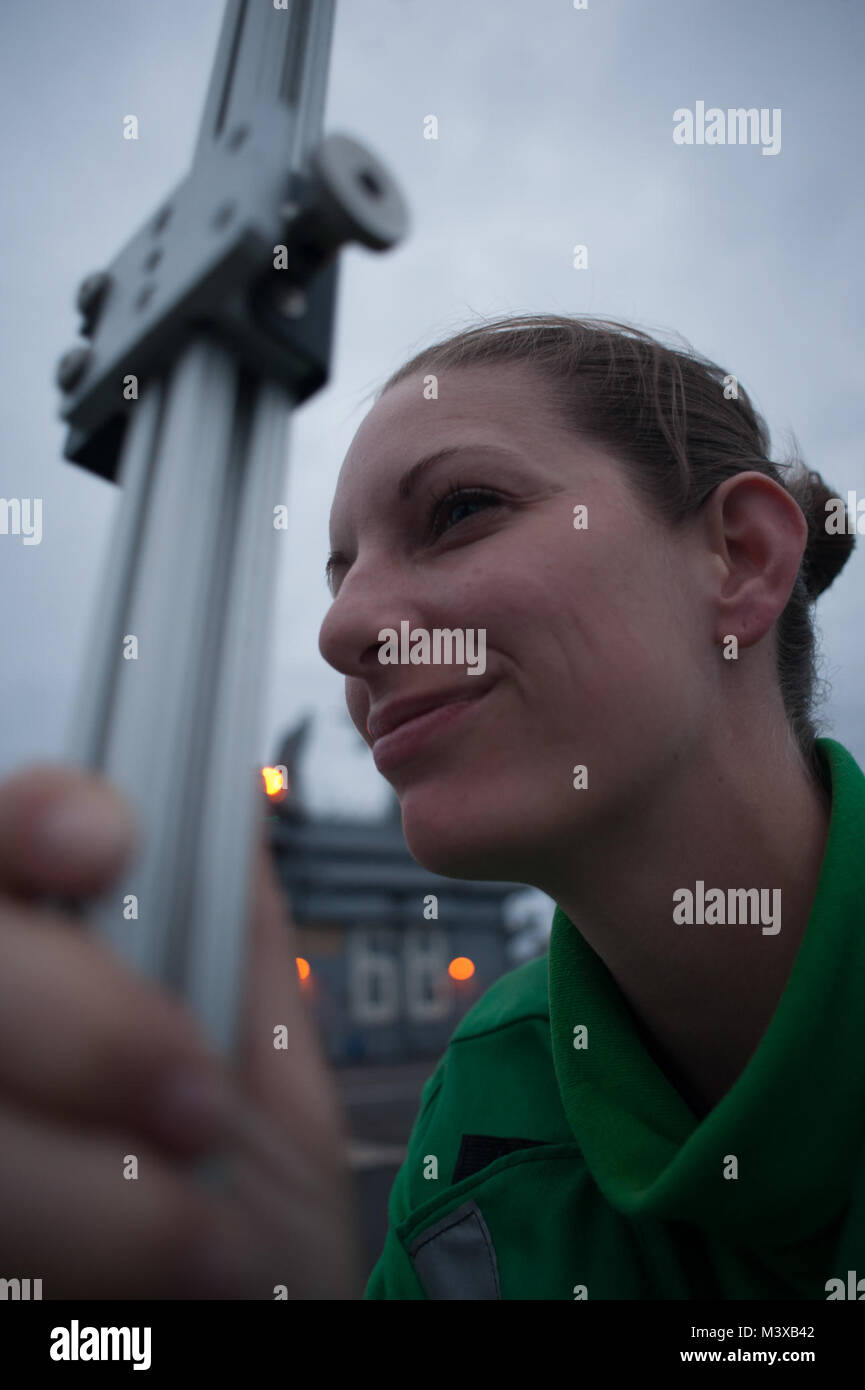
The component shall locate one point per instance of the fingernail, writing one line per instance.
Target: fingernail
(81, 826)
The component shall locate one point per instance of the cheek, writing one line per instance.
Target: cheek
(608, 624)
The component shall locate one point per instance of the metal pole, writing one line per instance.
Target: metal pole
(175, 700)
(223, 305)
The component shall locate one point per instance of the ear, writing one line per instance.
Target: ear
(758, 534)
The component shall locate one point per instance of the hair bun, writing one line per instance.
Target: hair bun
(827, 552)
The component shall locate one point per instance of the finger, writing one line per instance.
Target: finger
(81, 1035)
(62, 830)
(308, 1243)
(101, 1234)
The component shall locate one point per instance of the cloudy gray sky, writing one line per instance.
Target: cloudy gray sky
(555, 128)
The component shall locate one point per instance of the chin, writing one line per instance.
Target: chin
(455, 844)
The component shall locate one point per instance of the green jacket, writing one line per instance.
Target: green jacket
(539, 1169)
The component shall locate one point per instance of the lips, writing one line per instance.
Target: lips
(391, 715)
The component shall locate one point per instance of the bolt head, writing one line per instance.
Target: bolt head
(92, 291)
(72, 366)
(294, 304)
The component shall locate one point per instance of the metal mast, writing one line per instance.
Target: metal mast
(210, 326)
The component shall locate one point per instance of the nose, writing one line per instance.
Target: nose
(348, 639)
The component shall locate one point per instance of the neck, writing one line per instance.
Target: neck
(703, 995)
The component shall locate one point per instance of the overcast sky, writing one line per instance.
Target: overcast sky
(555, 127)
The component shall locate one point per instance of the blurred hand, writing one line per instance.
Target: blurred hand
(97, 1064)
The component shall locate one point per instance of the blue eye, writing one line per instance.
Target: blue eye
(457, 498)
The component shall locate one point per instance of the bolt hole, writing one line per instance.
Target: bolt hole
(237, 137)
(160, 220)
(370, 183)
(144, 297)
(223, 215)
(153, 259)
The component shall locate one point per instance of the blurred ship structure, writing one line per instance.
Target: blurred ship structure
(390, 955)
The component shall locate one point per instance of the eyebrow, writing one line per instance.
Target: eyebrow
(409, 480)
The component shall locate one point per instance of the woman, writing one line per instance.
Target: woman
(670, 1105)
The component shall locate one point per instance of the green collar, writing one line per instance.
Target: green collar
(795, 1117)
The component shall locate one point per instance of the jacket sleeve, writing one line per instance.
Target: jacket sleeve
(393, 1275)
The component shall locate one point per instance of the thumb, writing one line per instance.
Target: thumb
(284, 1074)
(282, 1060)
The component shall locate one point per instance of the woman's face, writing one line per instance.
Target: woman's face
(595, 637)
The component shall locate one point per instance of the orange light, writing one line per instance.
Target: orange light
(461, 968)
(273, 782)
(302, 967)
